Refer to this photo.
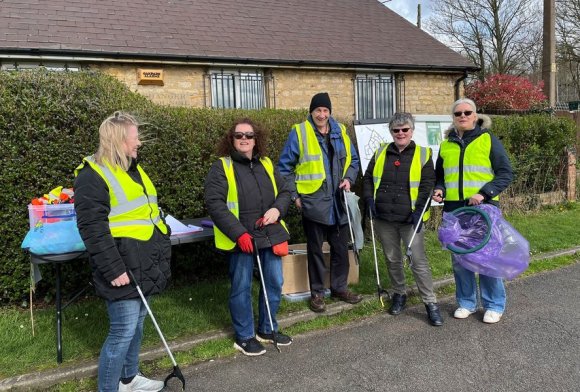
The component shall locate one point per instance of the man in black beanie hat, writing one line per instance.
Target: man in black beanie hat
(320, 100)
(320, 162)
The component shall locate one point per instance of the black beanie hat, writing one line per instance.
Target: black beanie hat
(320, 100)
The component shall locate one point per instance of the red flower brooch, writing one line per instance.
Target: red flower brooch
(397, 163)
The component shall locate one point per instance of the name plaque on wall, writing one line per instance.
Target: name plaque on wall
(150, 77)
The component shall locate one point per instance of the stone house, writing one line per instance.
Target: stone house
(242, 53)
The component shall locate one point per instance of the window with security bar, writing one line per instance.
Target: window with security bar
(237, 89)
(375, 96)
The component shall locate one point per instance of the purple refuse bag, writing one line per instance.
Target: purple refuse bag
(505, 254)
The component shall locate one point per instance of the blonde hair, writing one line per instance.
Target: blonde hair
(112, 134)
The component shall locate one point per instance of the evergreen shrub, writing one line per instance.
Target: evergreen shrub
(49, 121)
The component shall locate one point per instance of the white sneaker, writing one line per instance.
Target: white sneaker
(462, 313)
(141, 384)
(491, 317)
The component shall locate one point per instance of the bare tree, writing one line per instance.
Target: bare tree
(499, 36)
(568, 53)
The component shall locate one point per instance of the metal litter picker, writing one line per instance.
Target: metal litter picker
(409, 252)
(257, 252)
(176, 371)
(380, 290)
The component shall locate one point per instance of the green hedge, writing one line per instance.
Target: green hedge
(49, 121)
(536, 144)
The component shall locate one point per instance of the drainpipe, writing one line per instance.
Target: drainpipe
(457, 83)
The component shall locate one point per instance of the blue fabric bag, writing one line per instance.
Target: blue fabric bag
(54, 238)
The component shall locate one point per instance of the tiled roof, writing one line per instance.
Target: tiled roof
(344, 33)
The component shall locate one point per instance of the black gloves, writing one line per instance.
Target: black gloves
(371, 208)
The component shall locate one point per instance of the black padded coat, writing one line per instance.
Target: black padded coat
(111, 257)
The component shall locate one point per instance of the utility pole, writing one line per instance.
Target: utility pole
(419, 14)
(549, 51)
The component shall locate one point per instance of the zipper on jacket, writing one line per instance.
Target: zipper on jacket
(461, 156)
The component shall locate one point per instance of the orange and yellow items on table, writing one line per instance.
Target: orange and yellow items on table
(58, 195)
(53, 226)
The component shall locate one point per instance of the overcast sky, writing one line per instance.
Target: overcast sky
(408, 8)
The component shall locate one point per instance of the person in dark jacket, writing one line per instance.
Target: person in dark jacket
(246, 199)
(119, 222)
(320, 162)
(472, 168)
(396, 186)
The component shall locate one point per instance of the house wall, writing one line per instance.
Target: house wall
(289, 88)
(430, 93)
(295, 88)
(183, 86)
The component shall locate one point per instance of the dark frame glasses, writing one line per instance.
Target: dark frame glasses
(240, 135)
(397, 130)
(466, 112)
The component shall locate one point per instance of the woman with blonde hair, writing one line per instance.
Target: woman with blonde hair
(120, 224)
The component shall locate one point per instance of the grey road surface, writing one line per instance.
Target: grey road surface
(535, 347)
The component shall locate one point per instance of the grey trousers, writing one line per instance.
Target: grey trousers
(391, 234)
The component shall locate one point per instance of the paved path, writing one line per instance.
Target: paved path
(535, 347)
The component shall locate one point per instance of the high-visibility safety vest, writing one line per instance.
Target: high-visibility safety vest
(420, 158)
(466, 171)
(222, 241)
(134, 213)
(310, 173)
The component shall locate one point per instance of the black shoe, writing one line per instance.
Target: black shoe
(434, 314)
(347, 296)
(398, 304)
(281, 339)
(317, 304)
(250, 347)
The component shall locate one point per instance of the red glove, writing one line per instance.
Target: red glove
(259, 223)
(245, 243)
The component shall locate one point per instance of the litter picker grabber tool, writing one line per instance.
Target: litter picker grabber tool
(257, 253)
(409, 252)
(380, 290)
(176, 371)
(355, 250)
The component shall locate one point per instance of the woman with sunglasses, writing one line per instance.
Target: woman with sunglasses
(397, 185)
(472, 168)
(246, 199)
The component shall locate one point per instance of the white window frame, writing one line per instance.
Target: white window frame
(376, 111)
(239, 94)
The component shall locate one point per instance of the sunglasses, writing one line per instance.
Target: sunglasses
(240, 135)
(397, 130)
(467, 113)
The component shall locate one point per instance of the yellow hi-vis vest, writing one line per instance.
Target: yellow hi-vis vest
(133, 212)
(420, 158)
(467, 173)
(310, 173)
(222, 241)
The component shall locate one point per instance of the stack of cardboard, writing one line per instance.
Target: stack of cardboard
(295, 269)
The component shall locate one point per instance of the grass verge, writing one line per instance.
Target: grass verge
(188, 311)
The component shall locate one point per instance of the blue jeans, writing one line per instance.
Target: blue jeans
(492, 290)
(241, 274)
(120, 353)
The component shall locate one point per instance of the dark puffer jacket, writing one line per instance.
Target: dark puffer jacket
(111, 257)
(498, 157)
(255, 197)
(393, 199)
